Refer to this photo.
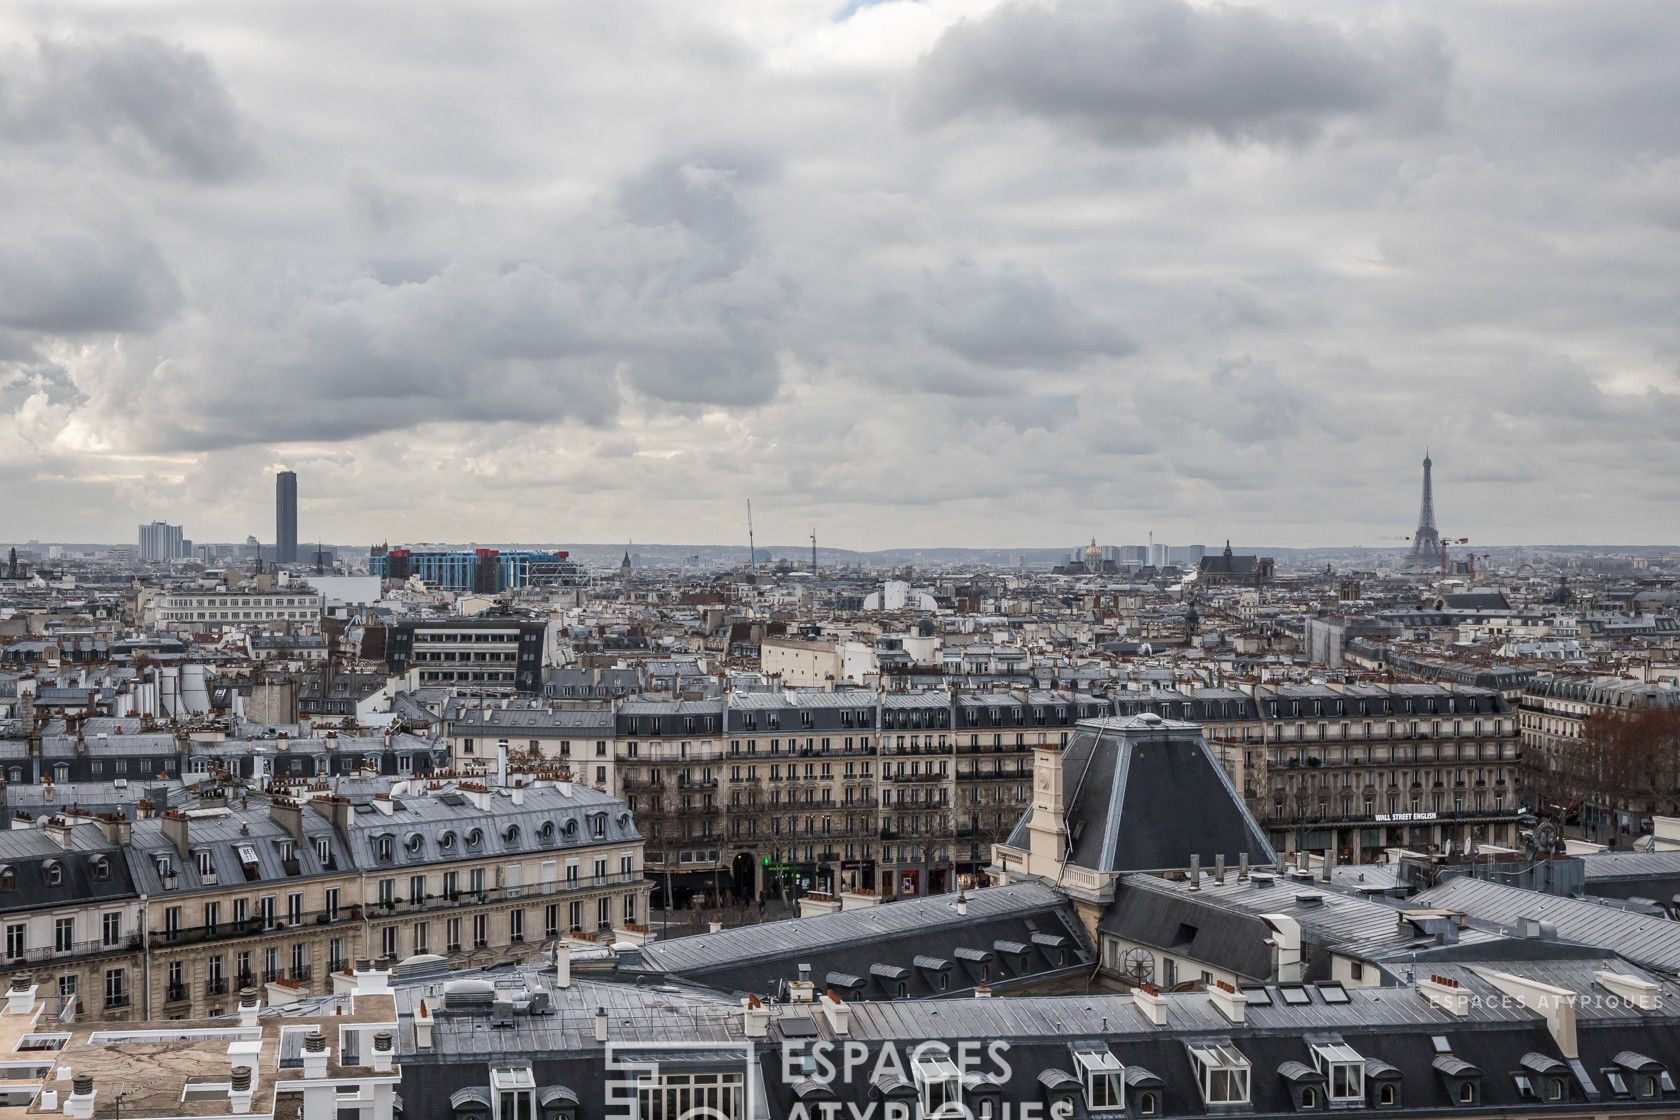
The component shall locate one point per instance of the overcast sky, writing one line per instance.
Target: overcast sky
(942, 273)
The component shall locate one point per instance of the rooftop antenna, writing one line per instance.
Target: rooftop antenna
(813, 551)
(752, 553)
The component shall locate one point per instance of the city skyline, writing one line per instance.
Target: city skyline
(853, 261)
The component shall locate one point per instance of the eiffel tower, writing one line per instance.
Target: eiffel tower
(1426, 542)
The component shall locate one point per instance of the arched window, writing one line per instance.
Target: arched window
(8, 879)
(1309, 1098)
(1385, 1095)
(1146, 1104)
(385, 847)
(55, 873)
(1467, 1093)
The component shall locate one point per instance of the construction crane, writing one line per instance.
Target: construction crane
(752, 552)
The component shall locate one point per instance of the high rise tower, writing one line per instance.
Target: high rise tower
(1426, 542)
(285, 517)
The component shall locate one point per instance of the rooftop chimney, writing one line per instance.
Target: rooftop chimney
(250, 1006)
(600, 1024)
(370, 980)
(1195, 871)
(1219, 869)
(1228, 1001)
(116, 828)
(1242, 867)
(80, 1104)
(315, 1054)
(239, 1090)
(562, 965)
(1446, 994)
(755, 1020)
(1151, 1003)
(20, 1000)
(384, 1049)
(839, 1016)
(175, 831)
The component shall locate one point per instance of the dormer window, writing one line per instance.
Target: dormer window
(1343, 1070)
(206, 865)
(8, 879)
(1222, 1072)
(415, 842)
(1467, 1093)
(1387, 1097)
(475, 837)
(1147, 1104)
(938, 1086)
(55, 873)
(101, 868)
(1637, 1076)
(446, 840)
(1103, 1077)
(598, 826)
(323, 850)
(511, 834)
(385, 848)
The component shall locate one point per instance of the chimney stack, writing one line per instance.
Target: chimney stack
(600, 1024)
(175, 831)
(239, 1090)
(315, 1054)
(1195, 871)
(80, 1104)
(384, 1050)
(1219, 869)
(20, 1000)
(755, 1020)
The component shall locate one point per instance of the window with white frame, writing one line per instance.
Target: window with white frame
(938, 1085)
(513, 1093)
(712, 1095)
(1103, 1077)
(1223, 1073)
(1343, 1070)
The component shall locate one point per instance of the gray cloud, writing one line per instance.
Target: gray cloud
(73, 281)
(607, 260)
(1011, 316)
(158, 105)
(1151, 70)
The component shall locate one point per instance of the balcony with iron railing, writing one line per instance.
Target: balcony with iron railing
(493, 896)
(74, 951)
